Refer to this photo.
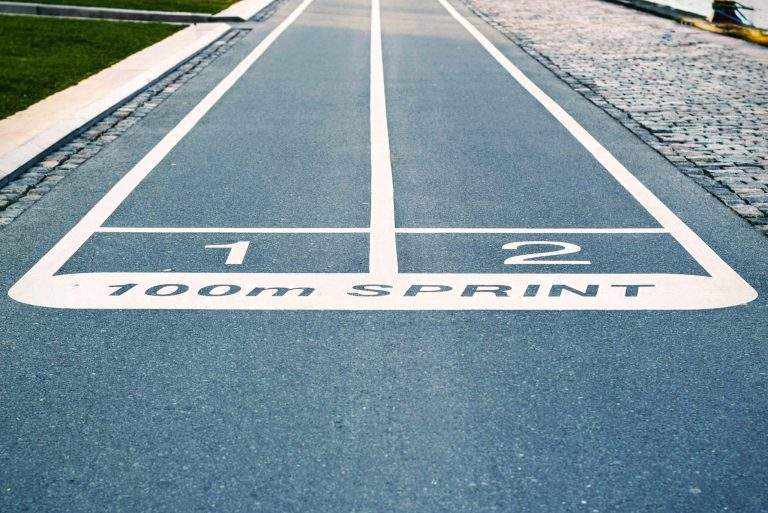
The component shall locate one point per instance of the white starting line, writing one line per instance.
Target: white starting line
(383, 287)
(139, 229)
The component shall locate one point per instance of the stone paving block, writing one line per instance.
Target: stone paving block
(748, 210)
(756, 198)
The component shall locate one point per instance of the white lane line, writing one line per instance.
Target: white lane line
(130, 229)
(532, 230)
(76, 237)
(687, 238)
(383, 252)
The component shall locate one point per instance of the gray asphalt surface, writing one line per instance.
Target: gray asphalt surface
(283, 411)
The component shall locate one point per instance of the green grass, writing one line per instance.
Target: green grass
(40, 56)
(205, 6)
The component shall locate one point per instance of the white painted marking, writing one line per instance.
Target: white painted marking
(531, 230)
(138, 229)
(235, 252)
(566, 248)
(383, 250)
(334, 292)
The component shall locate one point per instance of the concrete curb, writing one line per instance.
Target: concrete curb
(30, 134)
(659, 10)
(239, 12)
(102, 13)
(243, 10)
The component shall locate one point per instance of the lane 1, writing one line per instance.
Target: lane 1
(287, 146)
(207, 252)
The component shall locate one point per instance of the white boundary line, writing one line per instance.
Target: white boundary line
(531, 230)
(700, 251)
(120, 229)
(130, 229)
(383, 250)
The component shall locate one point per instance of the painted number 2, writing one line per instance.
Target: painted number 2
(237, 251)
(566, 248)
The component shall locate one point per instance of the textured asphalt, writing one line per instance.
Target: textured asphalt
(299, 411)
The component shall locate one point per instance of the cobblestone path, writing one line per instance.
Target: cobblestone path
(699, 99)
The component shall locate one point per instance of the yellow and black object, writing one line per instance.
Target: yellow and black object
(729, 19)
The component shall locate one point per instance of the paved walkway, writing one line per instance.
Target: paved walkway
(700, 99)
(374, 257)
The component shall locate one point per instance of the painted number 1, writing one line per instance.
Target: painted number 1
(237, 251)
(566, 248)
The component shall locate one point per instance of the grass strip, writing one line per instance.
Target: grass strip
(204, 6)
(40, 56)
